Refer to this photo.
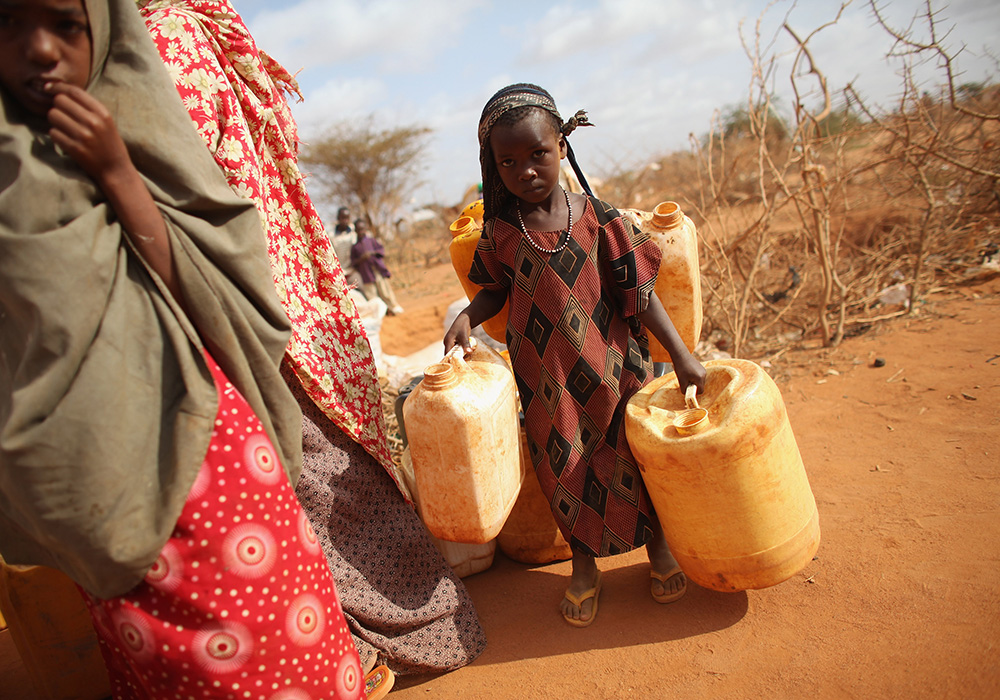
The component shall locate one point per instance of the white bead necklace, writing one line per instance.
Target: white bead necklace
(566, 236)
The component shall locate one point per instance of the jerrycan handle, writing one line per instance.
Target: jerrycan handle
(694, 419)
(456, 356)
(691, 396)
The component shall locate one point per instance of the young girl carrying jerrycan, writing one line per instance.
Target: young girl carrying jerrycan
(580, 283)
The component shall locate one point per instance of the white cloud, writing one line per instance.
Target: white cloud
(649, 71)
(399, 36)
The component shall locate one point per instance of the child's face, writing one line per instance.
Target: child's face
(361, 228)
(41, 42)
(527, 156)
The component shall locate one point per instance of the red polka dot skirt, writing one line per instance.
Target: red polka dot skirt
(240, 603)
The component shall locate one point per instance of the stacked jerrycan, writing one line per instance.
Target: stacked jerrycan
(678, 285)
(725, 477)
(462, 427)
(465, 231)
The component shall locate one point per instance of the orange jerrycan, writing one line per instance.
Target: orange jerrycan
(475, 211)
(725, 476)
(464, 559)
(678, 285)
(465, 236)
(461, 422)
(531, 535)
(53, 633)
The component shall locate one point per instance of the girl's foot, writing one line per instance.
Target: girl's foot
(668, 581)
(579, 605)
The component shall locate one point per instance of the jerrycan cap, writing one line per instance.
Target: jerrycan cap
(694, 419)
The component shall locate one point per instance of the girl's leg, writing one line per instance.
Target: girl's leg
(584, 578)
(668, 581)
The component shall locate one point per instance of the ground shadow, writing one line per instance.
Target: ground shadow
(518, 607)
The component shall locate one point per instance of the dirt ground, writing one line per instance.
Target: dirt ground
(901, 601)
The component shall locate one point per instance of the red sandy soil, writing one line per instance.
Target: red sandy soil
(901, 601)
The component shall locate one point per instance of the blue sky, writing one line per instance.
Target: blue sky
(649, 72)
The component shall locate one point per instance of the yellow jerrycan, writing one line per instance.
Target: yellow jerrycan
(465, 237)
(678, 285)
(464, 559)
(462, 426)
(725, 477)
(475, 211)
(53, 633)
(531, 535)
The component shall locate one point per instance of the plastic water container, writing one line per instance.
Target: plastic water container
(53, 633)
(464, 559)
(465, 237)
(678, 285)
(725, 477)
(462, 426)
(475, 211)
(531, 535)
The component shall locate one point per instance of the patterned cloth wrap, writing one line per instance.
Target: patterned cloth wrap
(234, 94)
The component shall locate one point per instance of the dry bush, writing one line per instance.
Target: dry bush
(803, 225)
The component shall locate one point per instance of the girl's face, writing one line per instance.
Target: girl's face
(527, 156)
(42, 42)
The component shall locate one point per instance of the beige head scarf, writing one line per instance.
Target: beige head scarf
(106, 404)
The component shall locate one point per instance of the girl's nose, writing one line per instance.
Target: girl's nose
(42, 48)
(528, 174)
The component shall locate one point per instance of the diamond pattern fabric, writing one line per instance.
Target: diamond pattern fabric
(579, 354)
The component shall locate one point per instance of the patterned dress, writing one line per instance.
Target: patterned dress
(579, 354)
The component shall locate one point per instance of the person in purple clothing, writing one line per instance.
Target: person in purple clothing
(368, 258)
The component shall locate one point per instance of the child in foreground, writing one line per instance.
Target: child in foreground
(147, 438)
(580, 280)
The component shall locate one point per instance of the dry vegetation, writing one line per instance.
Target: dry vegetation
(806, 221)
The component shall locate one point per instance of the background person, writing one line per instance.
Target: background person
(368, 258)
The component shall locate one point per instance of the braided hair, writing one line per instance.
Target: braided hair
(507, 107)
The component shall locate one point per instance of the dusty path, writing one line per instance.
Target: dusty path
(902, 601)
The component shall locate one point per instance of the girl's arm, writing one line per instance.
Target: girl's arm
(486, 305)
(687, 368)
(86, 131)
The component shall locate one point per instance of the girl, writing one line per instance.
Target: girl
(580, 281)
(146, 434)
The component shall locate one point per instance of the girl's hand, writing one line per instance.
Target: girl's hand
(459, 334)
(689, 371)
(85, 130)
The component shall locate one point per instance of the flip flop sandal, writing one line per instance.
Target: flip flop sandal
(663, 578)
(578, 601)
(378, 682)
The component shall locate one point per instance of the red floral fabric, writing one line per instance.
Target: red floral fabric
(234, 94)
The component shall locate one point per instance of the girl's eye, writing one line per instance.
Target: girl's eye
(506, 162)
(71, 27)
(540, 153)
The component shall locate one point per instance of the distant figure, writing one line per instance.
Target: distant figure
(368, 258)
(343, 238)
